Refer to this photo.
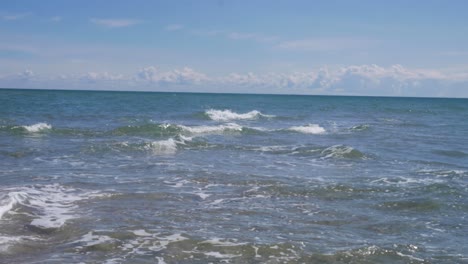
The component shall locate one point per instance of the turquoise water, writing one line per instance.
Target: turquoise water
(123, 177)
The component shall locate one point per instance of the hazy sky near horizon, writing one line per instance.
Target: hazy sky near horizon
(402, 48)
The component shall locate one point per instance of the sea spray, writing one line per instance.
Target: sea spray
(228, 115)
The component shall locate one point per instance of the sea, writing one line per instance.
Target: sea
(148, 177)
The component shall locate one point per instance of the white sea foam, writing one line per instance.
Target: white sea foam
(49, 205)
(168, 146)
(7, 241)
(145, 242)
(221, 242)
(141, 232)
(8, 201)
(220, 255)
(217, 201)
(202, 195)
(164, 241)
(228, 115)
(442, 173)
(406, 181)
(308, 129)
(161, 260)
(230, 127)
(341, 151)
(37, 127)
(273, 148)
(91, 239)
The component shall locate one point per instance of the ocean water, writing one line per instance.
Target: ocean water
(123, 177)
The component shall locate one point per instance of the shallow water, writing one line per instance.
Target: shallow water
(121, 177)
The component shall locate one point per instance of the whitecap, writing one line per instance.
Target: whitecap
(51, 206)
(91, 239)
(227, 115)
(202, 195)
(164, 241)
(220, 255)
(8, 201)
(221, 242)
(161, 260)
(230, 127)
(141, 232)
(360, 127)
(217, 201)
(168, 146)
(7, 241)
(341, 151)
(308, 129)
(37, 127)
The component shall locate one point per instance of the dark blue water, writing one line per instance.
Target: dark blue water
(123, 177)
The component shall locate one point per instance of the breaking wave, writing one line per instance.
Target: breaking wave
(150, 129)
(34, 128)
(360, 128)
(228, 115)
(163, 146)
(342, 151)
(50, 206)
(230, 127)
(314, 151)
(308, 129)
(37, 127)
(162, 130)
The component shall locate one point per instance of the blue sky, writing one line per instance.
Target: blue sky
(401, 48)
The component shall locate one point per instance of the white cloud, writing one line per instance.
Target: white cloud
(25, 75)
(114, 23)
(105, 76)
(11, 17)
(394, 80)
(174, 27)
(178, 76)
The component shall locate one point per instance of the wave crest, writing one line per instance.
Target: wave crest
(148, 129)
(50, 205)
(228, 115)
(308, 129)
(168, 146)
(342, 151)
(37, 127)
(230, 127)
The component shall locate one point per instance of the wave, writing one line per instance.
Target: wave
(164, 130)
(230, 127)
(157, 147)
(360, 127)
(308, 129)
(34, 128)
(444, 173)
(228, 115)
(37, 127)
(342, 151)
(138, 243)
(413, 205)
(50, 206)
(314, 151)
(40, 128)
(451, 153)
(168, 146)
(148, 130)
